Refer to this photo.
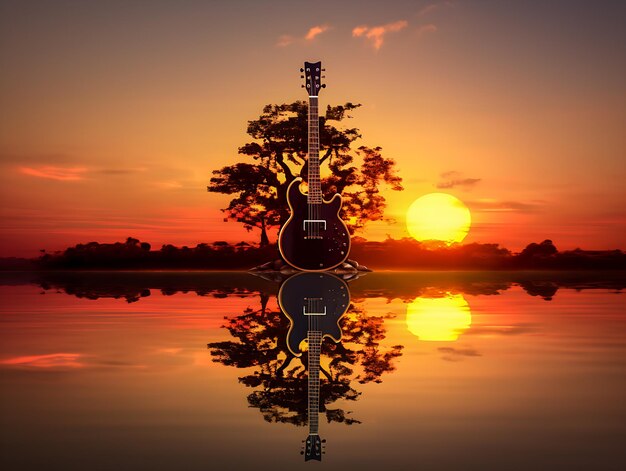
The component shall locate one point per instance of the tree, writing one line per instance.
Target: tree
(545, 249)
(279, 150)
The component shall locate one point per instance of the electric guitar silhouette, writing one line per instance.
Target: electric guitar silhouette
(314, 304)
(314, 238)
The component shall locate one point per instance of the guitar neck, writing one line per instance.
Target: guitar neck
(315, 344)
(315, 188)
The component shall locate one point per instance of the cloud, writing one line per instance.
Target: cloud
(425, 29)
(121, 171)
(55, 173)
(359, 31)
(452, 179)
(456, 354)
(313, 32)
(376, 34)
(170, 351)
(488, 205)
(433, 7)
(285, 40)
(493, 330)
(52, 360)
(427, 9)
(169, 184)
(463, 182)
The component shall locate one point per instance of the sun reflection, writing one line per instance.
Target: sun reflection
(439, 319)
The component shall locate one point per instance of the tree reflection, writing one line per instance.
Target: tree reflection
(279, 379)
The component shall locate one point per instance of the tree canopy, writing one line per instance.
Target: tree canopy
(279, 155)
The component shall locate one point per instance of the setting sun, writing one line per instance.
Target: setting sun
(438, 216)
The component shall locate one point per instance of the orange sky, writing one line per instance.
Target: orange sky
(114, 115)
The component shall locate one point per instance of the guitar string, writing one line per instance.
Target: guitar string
(310, 124)
(316, 158)
(316, 170)
(311, 158)
(314, 180)
(314, 305)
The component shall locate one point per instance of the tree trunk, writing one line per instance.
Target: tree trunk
(264, 299)
(281, 191)
(265, 241)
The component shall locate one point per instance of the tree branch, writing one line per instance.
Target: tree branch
(281, 161)
(326, 155)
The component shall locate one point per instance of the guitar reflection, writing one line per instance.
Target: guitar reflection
(278, 380)
(314, 304)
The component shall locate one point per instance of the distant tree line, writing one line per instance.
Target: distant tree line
(408, 253)
(391, 253)
(137, 255)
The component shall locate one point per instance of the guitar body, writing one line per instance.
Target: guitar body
(304, 297)
(313, 243)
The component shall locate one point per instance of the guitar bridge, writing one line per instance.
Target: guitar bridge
(314, 226)
(313, 313)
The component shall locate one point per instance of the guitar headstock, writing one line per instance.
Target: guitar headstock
(313, 448)
(313, 77)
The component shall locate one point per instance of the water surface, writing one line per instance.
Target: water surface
(437, 371)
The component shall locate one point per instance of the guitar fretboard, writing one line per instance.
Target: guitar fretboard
(315, 344)
(315, 188)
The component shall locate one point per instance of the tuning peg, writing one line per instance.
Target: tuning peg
(323, 70)
(324, 441)
(301, 69)
(302, 76)
(302, 86)
(302, 452)
(324, 85)
(323, 76)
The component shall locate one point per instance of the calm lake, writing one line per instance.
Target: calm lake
(435, 371)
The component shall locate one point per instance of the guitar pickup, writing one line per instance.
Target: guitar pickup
(313, 221)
